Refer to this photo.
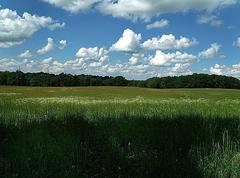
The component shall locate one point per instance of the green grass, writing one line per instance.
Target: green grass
(119, 132)
(122, 92)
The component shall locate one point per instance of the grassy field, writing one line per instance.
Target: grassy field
(122, 92)
(119, 132)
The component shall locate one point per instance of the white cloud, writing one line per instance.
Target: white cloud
(168, 42)
(166, 59)
(222, 56)
(237, 42)
(92, 56)
(62, 44)
(94, 65)
(142, 9)
(49, 47)
(8, 64)
(136, 59)
(87, 59)
(233, 70)
(8, 44)
(210, 52)
(129, 42)
(181, 68)
(133, 60)
(14, 29)
(26, 54)
(217, 69)
(140, 70)
(158, 24)
(51, 65)
(143, 71)
(73, 6)
(209, 19)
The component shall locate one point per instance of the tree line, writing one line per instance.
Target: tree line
(41, 79)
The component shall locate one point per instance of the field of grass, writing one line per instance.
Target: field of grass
(119, 132)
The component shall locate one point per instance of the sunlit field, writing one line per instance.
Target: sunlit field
(119, 132)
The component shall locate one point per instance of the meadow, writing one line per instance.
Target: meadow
(119, 132)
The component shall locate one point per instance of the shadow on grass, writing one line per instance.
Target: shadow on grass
(126, 147)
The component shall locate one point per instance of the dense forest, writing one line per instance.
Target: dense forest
(19, 78)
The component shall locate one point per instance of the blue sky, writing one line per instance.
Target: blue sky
(137, 39)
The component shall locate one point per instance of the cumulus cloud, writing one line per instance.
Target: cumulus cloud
(8, 64)
(50, 65)
(141, 70)
(142, 9)
(210, 52)
(50, 46)
(174, 64)
(233, 70)
(158, 24)
(136, 59)
(217, 69)
(92, 56)
(209, 19)
(73, 6)
(237, 42)
(168, 42)
(129, 42)
(138, 71)
(181, 69)
(87, 63)
(14, 29)
(62, 44)
(166, 59)
(87, 59)
(26, 54)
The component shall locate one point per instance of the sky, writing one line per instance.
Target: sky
(137, 39)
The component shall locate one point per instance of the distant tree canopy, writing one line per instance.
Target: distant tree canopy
(41, 79)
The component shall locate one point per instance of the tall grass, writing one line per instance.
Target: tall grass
(77, 137)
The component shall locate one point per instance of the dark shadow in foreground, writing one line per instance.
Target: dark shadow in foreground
(127, 147)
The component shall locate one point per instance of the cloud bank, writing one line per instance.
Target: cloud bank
(14, 29)
(139, 9)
